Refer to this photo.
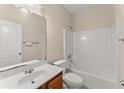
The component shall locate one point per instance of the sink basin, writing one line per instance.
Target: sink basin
(32, 78)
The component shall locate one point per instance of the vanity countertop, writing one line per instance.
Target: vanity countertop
(12, 81)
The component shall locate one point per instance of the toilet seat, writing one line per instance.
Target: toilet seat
(73, 79)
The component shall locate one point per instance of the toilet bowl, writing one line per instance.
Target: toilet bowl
(72, 80)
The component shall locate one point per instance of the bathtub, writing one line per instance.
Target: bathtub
(94, 82)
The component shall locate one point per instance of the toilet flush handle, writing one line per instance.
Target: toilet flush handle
(122, 39)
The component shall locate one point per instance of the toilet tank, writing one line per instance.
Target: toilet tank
(61, 63)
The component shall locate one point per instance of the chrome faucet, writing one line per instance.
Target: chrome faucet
(29, 71)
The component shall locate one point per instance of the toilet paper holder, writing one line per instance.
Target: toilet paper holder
(29, 43)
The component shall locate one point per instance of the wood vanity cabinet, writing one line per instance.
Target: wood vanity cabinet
(55, 83)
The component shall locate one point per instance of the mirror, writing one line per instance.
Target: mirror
(22, 36)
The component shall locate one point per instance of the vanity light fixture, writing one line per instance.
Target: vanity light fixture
(31, 8)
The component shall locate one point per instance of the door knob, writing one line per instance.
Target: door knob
(121, 39)
(20, 53)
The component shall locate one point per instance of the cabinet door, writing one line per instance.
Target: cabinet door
(56, 83)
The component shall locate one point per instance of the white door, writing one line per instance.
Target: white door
(120, 42)
(68, 43)
(10, 43)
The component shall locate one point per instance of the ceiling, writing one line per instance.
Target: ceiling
(77, 8)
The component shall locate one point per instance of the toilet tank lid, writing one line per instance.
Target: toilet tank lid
(58, 62)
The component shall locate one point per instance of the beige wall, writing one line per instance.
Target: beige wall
(57, 19)
(94, 17)
(33, 27)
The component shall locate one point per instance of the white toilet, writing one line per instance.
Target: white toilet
(72, 80)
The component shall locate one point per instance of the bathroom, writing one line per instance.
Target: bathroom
(61, 46)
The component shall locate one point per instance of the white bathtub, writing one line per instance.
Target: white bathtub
(95, 82)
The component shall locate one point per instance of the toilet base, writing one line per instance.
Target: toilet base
(68, 86)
